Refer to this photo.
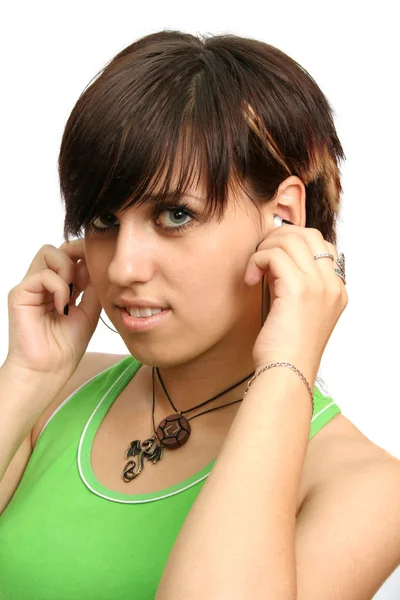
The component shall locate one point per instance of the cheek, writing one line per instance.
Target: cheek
(212, 287)
(99, 250)
(96, 263)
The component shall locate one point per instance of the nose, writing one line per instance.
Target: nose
(133, 258)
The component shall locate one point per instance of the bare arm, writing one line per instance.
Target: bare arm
(238, 540)
(241, 538)
(23, 398)
(91, 364)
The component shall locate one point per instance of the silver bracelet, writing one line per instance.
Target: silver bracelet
(281, 364)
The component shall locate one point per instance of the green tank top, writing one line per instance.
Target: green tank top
(64, 536)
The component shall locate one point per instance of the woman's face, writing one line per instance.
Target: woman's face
(198, 272)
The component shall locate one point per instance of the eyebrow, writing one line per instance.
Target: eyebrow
(158, 201)
(170, 195)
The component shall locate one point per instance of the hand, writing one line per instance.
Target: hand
(42, 340)
(307, 297)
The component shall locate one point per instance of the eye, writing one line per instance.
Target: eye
(96, 229)
(99, 220)
(177, 213)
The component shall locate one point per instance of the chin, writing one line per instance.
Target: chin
(163, 356)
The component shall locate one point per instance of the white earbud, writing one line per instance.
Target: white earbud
(278, 221)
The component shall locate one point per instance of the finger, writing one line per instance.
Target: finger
(49, 257)
(90, 303)
(318, 245)
(276, 260)
(297, 247)
(327, 265)
(332, 250)
(336, 265)
(76, 252)
(75, 249)
(40, 286)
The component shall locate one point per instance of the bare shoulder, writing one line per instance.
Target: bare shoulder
(340, 447)
(348, 528)
(91, 364)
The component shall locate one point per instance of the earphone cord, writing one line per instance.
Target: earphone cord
(108, 326)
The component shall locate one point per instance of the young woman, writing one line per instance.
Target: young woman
(201, 179)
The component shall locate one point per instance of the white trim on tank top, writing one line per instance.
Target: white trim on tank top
(92, 415)
(75, 392)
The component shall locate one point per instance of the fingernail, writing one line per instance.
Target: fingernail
(71, 287)
(66, 309)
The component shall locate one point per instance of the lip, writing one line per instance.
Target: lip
(142, 323)
(139, 303)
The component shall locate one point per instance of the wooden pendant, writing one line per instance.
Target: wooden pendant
(174, 431)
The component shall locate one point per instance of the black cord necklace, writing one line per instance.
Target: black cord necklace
(172, 432)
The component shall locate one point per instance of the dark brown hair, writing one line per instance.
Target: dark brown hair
(240, 110)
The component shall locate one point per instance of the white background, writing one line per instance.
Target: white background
(51, 50)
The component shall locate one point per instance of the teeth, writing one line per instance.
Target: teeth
(143, 312)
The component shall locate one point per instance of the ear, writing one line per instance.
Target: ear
(289, 203)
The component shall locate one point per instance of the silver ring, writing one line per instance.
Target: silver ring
(340, 274)
(323, 256)
(340, 262)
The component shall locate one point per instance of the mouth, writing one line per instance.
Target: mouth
(135, 311)
(142, 323)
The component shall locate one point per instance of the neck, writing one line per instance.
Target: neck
(206, 375)
(202, 378)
